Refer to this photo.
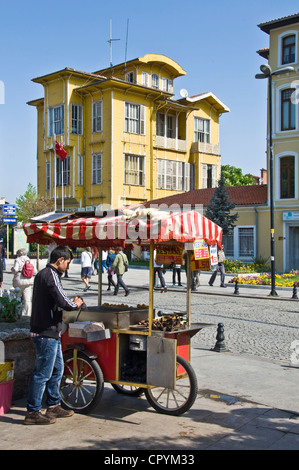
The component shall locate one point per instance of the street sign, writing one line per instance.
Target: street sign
(9, 220)
(9, 209)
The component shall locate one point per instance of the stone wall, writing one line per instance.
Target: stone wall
(18, 347)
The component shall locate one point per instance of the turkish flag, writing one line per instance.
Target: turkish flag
(60, 151)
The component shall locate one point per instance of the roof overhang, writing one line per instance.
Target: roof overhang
(66, 72)
(158, 59)
(210, 98)
(279, 23)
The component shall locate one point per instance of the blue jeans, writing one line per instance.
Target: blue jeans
(47, 374)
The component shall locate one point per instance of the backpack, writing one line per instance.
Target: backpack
(28, 269)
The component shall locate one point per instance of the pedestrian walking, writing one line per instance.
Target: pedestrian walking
(25, 284)
(120, 266)
(176, 272)
(96, 261)
(109, 261)
(49, 300)
(3, 254)
(219, 267)
(104, 261)
(86, 267)
(158, 269)
(1, 273)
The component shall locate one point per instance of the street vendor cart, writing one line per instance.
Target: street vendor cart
(136, 349)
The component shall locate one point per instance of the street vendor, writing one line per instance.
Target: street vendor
(49, 300)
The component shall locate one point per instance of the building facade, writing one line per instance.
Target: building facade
(251, 237)
(127, 139)
(283, 51)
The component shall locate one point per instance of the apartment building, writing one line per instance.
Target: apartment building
(127, 139)
(283, 51)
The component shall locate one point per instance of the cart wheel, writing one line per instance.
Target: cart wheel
(81, 391)
(175, 401)
(128, 390)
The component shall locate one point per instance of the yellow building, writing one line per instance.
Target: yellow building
(127, 139)
(283, 51)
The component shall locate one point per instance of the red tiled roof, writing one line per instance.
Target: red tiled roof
(240, 195)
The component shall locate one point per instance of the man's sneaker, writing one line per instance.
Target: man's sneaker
(38, 418)
(127, 293)
(58, 412)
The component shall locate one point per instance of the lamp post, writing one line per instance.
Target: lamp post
(267, 73)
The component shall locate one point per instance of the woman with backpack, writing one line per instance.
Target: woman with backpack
(24, 271)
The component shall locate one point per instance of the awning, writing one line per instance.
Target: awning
(139, 226)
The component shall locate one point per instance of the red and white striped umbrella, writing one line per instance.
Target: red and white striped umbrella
(112, 231)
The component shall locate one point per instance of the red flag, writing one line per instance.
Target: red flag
(60, 151)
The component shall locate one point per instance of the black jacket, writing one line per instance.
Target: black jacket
(48, 301)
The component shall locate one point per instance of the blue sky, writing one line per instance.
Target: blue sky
(215, 41)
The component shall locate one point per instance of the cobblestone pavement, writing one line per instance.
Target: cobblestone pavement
(264, 328)
(252, 325)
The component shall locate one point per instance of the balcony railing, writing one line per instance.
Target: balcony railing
(203, 147)
(171, 144)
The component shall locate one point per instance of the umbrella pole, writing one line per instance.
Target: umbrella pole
(100, 278)
(188, 307)
(151, 289)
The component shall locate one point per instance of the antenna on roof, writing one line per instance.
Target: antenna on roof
(110, 42)
(126, 44)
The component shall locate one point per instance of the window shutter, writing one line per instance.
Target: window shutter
(174, 175)
(204, 175)
(180, 176)
(142, 119)
(187, 177)
(214, 176)
(168, 174)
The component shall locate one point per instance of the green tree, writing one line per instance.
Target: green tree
(234, 177)
(31, 205)
(220, 207)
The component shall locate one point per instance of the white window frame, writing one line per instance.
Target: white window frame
(134, 170)
(167, 84)
(66, 165)
(155, 80)
(173, 175)
(130, 77)
(277, 117)
(77, 119)
(277, 175)
(97, 116)
(56, 120)
(280, 49)
(204, 175)
(48, 176)
(96, 170)
(145, 78)
(202, 130)
(236, 243)
(134, 118)
(80, 170)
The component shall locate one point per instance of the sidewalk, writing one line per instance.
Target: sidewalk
(244, 403)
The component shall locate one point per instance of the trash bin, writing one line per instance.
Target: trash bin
(6, 389)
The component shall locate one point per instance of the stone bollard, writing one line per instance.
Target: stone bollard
(295, 296)
(220, 345)
(236, 291)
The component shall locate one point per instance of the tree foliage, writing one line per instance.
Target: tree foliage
(234, 177)
(220, 207)
(31, 205)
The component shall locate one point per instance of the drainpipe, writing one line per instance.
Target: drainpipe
(256, 232)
